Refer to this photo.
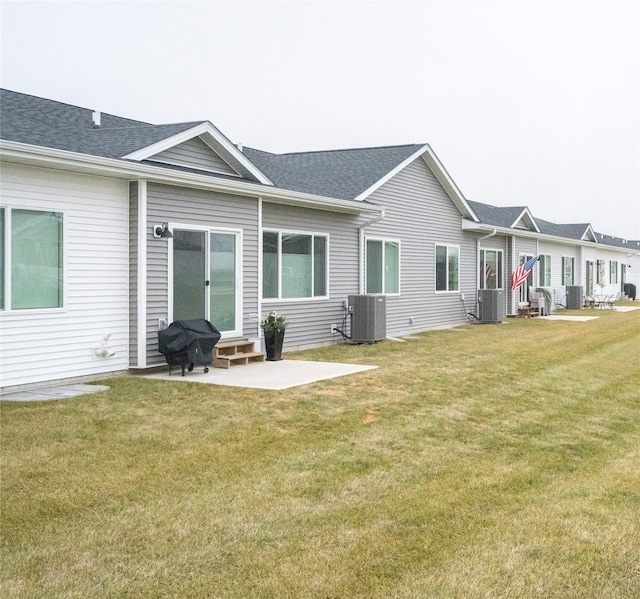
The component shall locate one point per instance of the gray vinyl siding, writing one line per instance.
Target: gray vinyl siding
(190, 206)
(194, 153)
(133, 273)
(310, 319)
(420, 214)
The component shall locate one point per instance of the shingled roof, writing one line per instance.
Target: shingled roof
(496, 215)
(343, 174)
(46, 123)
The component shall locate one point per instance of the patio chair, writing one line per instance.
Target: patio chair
(536, 301)
(612, 299)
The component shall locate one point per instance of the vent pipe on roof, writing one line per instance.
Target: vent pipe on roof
(96, 117)
(240, 146)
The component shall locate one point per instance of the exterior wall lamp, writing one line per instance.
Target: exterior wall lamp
(162, 231)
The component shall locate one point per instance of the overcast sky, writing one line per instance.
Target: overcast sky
(525, 102)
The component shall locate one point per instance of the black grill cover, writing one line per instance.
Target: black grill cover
(630, 290)
(188, 342)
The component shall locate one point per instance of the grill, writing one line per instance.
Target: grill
(188, 343)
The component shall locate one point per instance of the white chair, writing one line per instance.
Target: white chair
(536, 301)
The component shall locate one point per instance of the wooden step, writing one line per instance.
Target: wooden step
(237, 352)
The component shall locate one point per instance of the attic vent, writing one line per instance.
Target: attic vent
(96, 116)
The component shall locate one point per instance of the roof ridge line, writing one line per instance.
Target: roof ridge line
(335, 150)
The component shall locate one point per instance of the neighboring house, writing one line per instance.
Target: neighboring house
(87, 281)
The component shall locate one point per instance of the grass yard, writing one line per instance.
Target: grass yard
(491, 461)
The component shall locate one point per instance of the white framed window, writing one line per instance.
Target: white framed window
(601, 274)
(447, 267)
(544, 272)
(383, 266)
(491, 276)
(31, 259)
(568, 269)
(295, 265)
(613, 272)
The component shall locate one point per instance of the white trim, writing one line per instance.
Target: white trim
(141, 339)
(573, 269)
(440, 173)
(435, 268)
(594, 237)
(8, 255)
(392, 173)
(204, 128)
(481, 274)
(239, 288)
(279, 233)
(384, 240)
(115, 167)
(449, 185)
(523, 233)
(525, 212)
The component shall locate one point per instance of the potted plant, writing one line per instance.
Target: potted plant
(274, 325)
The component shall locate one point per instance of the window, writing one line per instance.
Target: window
(491, 269)
(567, 270)
(294, 265)
(447, 266)
(600, 273)
(383, 266)
(545, 270)
(35, 270)
(613, 272)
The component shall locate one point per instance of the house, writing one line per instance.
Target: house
(89, 277)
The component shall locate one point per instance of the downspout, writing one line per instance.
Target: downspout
(361, 229)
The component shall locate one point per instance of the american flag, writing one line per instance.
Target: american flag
(521, 273)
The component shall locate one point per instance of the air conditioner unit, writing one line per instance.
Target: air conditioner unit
(575, 300)
(368, 318)
(490, 305)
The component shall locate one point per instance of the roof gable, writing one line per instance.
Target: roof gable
(46, 123)
(352, 174)
(343, 174)
(525, 221)
(178, 149)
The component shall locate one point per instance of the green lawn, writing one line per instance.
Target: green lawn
(490, 461)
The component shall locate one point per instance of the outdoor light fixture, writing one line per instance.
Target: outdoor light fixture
(162, 231)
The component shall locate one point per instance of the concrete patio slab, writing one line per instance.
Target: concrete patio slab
(567, 317)
(279, 375)
(54, 392)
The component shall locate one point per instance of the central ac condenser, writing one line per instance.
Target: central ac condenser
(490, 305)
(368, 318)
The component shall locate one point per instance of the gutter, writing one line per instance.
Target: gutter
(122, 169)
(538, 236)
(361, 229)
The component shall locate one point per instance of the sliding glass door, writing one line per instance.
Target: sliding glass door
(206, 277)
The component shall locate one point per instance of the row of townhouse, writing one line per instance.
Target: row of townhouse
(85, 265)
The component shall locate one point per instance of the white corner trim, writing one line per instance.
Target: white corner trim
(141, 300)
